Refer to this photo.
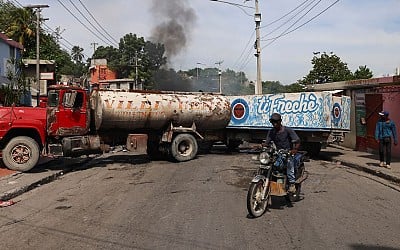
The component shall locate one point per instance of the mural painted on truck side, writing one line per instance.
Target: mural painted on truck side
(298, 110)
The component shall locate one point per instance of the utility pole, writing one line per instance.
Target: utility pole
(136, 70)
(94, 46)
(219, 76)
(257, 19)
(38, 8)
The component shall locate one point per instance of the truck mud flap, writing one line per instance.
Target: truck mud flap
(137, 143)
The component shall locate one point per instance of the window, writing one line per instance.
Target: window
(12, 52)
(52, 100)
(69, 99)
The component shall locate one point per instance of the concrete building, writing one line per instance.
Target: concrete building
(99, 71)
(106, 78)
(9, 49)
(369, 97)
(47, 76)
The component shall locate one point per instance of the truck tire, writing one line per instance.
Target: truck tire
(233, 145)
(184, 147)
(21, 154)
(313, 148)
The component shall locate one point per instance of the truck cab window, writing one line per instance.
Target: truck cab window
(52, 100)
(69, 99)
(78, 100)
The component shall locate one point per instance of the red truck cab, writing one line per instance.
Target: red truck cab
(22, 136)
(67, 111)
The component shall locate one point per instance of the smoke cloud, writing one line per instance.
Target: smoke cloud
(177, 20)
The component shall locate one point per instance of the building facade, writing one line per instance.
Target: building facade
(369, 97)
(9, 49)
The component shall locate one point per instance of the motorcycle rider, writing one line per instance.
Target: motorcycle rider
(285, 138)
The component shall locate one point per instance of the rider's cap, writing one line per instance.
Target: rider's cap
(275, 117)
(384, 113)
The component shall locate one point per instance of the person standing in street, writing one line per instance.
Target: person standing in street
(385, 130)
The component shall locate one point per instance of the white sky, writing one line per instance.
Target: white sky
(360, 32)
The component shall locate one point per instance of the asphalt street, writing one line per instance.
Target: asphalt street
(13, 184)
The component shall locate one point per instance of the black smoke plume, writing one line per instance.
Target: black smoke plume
(176, 21)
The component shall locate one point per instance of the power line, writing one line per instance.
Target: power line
(277, 20)
(83, 24)
(301, 25)
(92, 24)
(290, 19)
(60, 39)
(244, 49)
(247, 59)
(287, 31)
(98, 22)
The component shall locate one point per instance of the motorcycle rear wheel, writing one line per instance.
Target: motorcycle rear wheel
(256, 204)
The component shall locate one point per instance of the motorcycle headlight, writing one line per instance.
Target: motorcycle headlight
(264, 158)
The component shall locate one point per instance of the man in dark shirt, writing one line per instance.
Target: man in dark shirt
(284, 138)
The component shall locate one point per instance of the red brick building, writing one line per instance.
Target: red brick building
(100, 72)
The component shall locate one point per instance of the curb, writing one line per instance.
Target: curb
(18, 191)
(45, 180)
(376, 172)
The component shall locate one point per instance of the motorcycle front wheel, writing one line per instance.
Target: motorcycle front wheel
(256, 204)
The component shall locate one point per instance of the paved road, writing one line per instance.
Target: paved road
(123, 204)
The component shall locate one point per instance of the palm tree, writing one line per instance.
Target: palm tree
(22, 26)
(77, 54)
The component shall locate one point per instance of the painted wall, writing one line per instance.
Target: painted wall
(101, 73)
(391, 103)
(5, 46)
(368, 103)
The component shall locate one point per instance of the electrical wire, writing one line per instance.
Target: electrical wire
(84, 24)
(298, 27)
(247, 59)
(91, 24)
(290, 19)
(244, 49)
(105, 31)
(277, 20)
(59, 38)
(287, 31)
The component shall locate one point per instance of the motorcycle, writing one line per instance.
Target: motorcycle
(271, 178)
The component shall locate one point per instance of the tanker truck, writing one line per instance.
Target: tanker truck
(77, 123)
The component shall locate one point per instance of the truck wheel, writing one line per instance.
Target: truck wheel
(184, 147)
(233, 145)
(21, 154)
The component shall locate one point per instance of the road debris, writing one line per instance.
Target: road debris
(6, 203)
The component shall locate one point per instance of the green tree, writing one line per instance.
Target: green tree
(77, 54)
(272, 87)
(171, 80)
(17, 88)
(327, 68)
(363, 72)
(18, 23)
(133, 49)
(293, 88)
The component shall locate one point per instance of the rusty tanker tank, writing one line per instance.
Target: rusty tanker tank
(156, 111)
(77, 123)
